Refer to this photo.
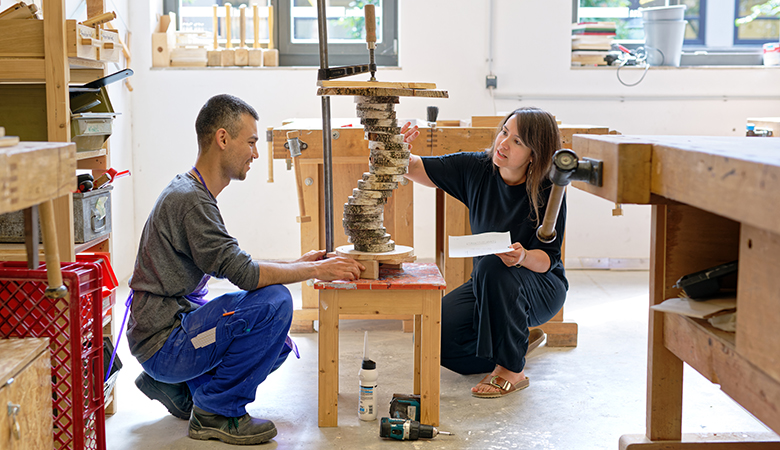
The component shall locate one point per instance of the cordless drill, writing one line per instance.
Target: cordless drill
(407, 430)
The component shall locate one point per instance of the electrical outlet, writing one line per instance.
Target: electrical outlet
(491, 81)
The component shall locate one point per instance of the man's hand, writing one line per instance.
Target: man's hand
(338, 268)
(314, 255)
(410, 133)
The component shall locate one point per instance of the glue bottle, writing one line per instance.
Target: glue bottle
(367, 377)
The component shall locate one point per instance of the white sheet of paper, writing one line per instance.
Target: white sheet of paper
(479, 244)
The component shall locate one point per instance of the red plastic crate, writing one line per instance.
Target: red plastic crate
(75, 330)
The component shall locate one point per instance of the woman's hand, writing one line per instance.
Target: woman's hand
(410, 133)
(515, 256)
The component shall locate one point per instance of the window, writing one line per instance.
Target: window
(625, 13)
(296, 34)
(760, 30)
(711, 23)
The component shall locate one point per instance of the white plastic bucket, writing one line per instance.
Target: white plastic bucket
(664, 41)
(674, 12)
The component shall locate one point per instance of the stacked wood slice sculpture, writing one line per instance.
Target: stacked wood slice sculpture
(388, 162)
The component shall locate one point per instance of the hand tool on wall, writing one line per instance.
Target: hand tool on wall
(295, 146)
(228, 55)
(407, 430)
(256, 52)
(269, 138)
(370, 18)
(566, 168)
(271, 55)
(242, 53)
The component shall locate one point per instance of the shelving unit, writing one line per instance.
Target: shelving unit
(34, 60)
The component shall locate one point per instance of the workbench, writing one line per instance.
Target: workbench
(350, 160)
(714, 200)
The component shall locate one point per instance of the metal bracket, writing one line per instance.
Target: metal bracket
(303, 145)
(332, 73)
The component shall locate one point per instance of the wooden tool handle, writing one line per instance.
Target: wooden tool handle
(370, 16)
(270, 147)
(51, 251)
(97, 20)
(242, 25)
(302, 218)
(270, 27)
(256, 29)
(216, 28)
(228, 34)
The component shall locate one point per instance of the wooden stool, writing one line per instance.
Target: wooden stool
(415, 289)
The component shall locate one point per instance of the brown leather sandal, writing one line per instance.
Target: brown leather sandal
(504, 387)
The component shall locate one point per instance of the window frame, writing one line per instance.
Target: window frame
(749, 42)
(307, 55)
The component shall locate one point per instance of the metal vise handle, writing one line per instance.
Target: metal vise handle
(565, 168)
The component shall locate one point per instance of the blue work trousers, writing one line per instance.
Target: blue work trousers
(485, 321)
(240, 336)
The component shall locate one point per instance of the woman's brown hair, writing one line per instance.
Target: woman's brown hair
(538, 131)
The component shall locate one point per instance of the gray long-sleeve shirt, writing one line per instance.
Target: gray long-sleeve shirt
(183, 239)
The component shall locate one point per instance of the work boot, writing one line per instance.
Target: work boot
(244, 430)
(176, 397)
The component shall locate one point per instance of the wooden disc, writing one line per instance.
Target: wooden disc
(400, 252)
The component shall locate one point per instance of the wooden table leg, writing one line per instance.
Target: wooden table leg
(328, 359)
(430, 358)
(417, 351)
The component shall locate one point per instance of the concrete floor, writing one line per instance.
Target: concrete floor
(580, 398)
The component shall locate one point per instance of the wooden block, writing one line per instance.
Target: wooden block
(162, 43)
(271, 57)
(228, 57)
(372, 270)
(213, 58)
(2, 131)
(9, 141)
(486, 121)
(703, 441)
(758, 287)
(386, 84)
(382, 92)
(242, 56)
(626, 176)
(256, 57)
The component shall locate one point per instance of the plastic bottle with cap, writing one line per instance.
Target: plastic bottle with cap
(367, 377)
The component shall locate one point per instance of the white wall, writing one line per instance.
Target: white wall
(444, 42)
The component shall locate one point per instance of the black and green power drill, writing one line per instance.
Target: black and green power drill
(407, 430)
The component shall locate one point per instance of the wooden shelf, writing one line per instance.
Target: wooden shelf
(87, 245)
(90, 154)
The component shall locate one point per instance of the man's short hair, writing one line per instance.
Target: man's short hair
(221, 111)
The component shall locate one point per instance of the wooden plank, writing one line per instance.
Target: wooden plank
(22, 70)
(58, 110)
(453, 140)
(712, 354)
(757, 299)
(95, 8)
(351, 142)
(328, 341)
(310, 237)
(380, 302)
(456, 224)
(568, 132)
(626, 174)
(382, 92)
(21, 38)
(430, 359)
(376, 84)
(728, 176)
(664, 370)
(486, 122)
(417, 353)
(704, 441)
(33, 172)
(15, 354)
